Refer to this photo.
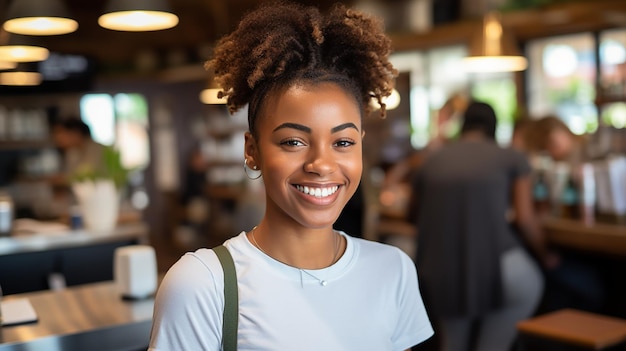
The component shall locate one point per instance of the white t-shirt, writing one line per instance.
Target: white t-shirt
(371, 302)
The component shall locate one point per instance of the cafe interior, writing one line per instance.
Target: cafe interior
(80, 261)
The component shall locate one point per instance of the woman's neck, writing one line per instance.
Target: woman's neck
(474, 135)
(303, 248)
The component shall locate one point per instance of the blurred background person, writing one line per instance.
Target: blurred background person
(80, 155)
(194, 200)
(79, 151)
(446, 128)
(396, 186)
(448, 121)
(551, 136)
(520, 134)
(478, 279)
(557, 156)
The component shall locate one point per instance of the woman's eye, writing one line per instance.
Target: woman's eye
(345, 143)
(291, 142)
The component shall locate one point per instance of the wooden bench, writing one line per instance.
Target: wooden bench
(570, 329)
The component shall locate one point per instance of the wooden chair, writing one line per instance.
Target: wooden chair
(570, 329)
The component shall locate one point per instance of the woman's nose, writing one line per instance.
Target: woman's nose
(321, 161)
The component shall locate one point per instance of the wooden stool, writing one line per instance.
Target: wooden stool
(570, 329)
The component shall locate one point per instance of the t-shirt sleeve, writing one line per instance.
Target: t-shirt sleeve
(189, 304)
(413, 325)
(520, 166)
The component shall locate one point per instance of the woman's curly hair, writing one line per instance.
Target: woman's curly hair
(283, 43)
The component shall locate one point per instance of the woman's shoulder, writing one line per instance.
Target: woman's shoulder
(194, 272)
(380, 251)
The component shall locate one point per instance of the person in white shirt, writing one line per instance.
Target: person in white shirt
(307, 79)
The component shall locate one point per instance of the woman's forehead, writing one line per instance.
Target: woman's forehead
(308, 101)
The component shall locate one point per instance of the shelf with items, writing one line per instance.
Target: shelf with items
(611, 95)
(23, 128)
(609, 99)
(225, 192)
(25, 144)
(223, 148)
(225, 133)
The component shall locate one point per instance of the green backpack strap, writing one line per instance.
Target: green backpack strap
(231, 299)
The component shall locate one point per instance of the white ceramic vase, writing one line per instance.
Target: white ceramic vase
(99, 204)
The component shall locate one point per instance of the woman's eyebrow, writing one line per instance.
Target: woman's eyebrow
(293, 126)
(306, 129)
(344, 126)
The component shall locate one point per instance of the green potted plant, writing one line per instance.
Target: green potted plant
(111, 169)
(97, 191)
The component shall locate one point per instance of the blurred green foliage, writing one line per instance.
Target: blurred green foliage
(111, 168)
(513, 5)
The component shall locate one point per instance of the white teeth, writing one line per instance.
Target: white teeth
(317, 192)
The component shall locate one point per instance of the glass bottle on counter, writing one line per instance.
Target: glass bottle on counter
(6, 213)
(569, 200)
(1, 311)
(587, 193)
(541, 193)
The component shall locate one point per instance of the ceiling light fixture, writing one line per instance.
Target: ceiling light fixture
(20, 78)
(25, 74)
(20, 48)
(209, 96)
(39, 17)
(391, 102)
(494, 50)
(138, 15)
(4, 65)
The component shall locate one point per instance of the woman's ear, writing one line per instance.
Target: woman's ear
(251, 151)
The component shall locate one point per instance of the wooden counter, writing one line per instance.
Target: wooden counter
(603, 238)
(88, 317)
(72, 238)
(29, 262)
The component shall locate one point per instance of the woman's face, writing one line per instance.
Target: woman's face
(310, 153)
(560, 144)
(63, 138)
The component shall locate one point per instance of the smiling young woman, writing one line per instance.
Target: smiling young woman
(310, 142)
(307, 80)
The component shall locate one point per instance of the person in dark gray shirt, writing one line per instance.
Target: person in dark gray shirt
(474, 271)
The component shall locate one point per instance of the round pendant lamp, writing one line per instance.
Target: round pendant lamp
(21, 48)
(493, 49)
(137, 15)
(24, 74)
(39, 17)
(391, 102)
(209, 96)
(4, 65)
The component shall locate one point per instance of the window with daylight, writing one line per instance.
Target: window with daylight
(438, 75)
(120, 120)
(561, 80)
(613, 77)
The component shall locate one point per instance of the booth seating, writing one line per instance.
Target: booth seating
(572, 330)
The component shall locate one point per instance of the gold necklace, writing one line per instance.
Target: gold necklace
(321, 281)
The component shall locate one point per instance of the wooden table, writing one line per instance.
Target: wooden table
(589, 331)
(88, 317)
(603, 238)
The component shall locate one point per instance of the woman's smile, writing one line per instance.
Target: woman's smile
(318, 192)
(318, 195)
